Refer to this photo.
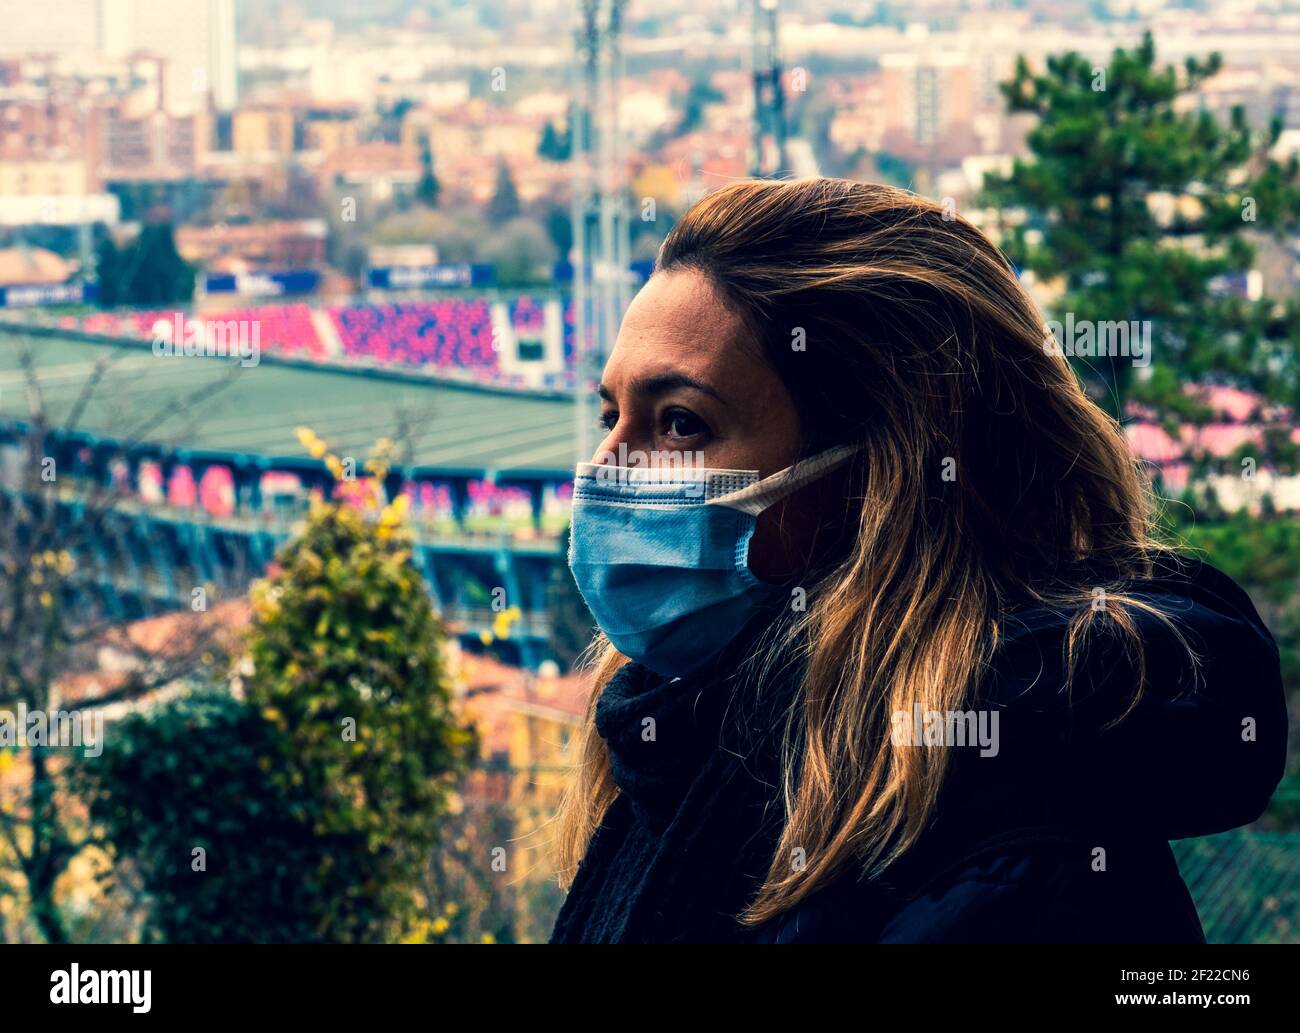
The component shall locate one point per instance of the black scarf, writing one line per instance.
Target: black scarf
(688, 841)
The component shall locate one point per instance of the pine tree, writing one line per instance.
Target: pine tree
(504, 205)
(148, 271)
(428, 188)
(549, 145)
(1109, 146)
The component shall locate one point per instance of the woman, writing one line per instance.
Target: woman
(888, 651)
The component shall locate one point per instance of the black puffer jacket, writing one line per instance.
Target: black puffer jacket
(1061, 835)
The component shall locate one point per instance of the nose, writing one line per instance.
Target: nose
(620, 449)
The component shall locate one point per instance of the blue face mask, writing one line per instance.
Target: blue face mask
(661, 555)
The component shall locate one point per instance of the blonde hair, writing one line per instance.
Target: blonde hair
(987, 478)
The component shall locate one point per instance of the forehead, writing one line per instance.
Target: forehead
(678, 322)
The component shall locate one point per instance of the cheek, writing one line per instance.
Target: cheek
(767, 445)
(773, 434)
(776, 550)
(765, 558)
(809, 526)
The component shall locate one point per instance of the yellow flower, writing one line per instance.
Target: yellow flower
(420, 934)
(440, 926)
(308, 439)
(501, 624)
(395, 511)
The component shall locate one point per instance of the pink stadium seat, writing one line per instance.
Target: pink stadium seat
(282, 329)
(451, 334)
(448, 334)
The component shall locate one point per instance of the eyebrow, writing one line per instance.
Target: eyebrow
(662, 383)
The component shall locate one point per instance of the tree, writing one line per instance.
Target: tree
(347, 659)
(108, 272)
(505, 198)
(701, 93)
(1108, 143)
(559, 227)
(320, 796)
(554, 144)
(181, 797)
(1143, 208)
(426, 191)
(149, 271)
(53, 620)
(300, 199)
(522, 253)
(351, 228)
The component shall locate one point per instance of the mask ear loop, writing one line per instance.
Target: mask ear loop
(758, 496)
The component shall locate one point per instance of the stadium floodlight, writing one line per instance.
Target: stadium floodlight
(599, 209)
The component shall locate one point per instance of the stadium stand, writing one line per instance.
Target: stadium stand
(443, 334)
(284, 329)
(449, 336)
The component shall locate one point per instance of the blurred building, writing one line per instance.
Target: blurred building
(64, 27)
(154, 145)
(928, 99)
(295, 243)
(380, 172)
(263, 132)
(525, 722)
(194, 40)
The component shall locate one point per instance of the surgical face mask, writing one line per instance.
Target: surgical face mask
(661, 555)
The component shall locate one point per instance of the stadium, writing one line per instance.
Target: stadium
(215, 474)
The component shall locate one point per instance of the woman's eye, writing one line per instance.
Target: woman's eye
(606, 420)
(682, 424)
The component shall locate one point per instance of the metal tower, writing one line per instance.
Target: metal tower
(768, 156)
(601, 288)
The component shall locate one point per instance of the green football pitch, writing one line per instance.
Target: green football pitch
(214, 404)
